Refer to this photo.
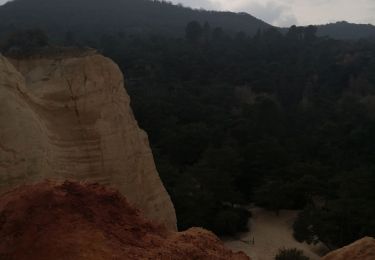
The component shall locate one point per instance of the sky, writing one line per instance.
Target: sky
(299, 12)
(289, 12)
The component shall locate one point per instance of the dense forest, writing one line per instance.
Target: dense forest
(282, 120)
(346, 31)
(89, 18)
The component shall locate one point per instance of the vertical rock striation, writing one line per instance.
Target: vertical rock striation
(68, 116)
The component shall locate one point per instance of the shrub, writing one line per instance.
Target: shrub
(290, 254)
(225, 223)
(24, 42)
(231, 221)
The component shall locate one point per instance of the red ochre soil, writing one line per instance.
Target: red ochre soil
(73, 221)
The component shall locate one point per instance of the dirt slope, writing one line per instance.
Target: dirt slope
(75, 221)
(363, 249)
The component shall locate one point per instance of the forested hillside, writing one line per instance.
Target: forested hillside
(285, 121)
(88, 18)
(347, 31)
(85, 20)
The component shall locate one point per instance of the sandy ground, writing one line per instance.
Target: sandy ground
(270, 233)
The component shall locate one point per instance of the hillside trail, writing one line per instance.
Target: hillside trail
(269, 232)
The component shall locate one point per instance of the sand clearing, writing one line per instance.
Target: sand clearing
(270, 232)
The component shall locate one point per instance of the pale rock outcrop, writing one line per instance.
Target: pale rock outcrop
(363, 249)
(68, 116)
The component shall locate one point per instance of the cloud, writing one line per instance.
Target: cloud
(301, 12)
(276, 12)
(272, 12)
(288, 12)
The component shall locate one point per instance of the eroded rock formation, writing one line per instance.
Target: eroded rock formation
(68, 117)
(77, 221)
(363, 249)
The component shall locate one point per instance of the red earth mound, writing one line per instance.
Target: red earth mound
(88, 221)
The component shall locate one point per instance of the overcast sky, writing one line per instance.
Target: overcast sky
(288, 12)
(301, 12)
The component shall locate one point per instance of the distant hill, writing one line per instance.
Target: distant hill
(88, 17)
(346, 31)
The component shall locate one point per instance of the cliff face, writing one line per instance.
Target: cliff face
(68, 117)
(77, 221)
(363, 249)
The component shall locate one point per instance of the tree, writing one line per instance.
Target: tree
(207, 32)
(24, 42)
(218, 33)
(310, 33)
(70, 39)
(344, 218)
(194, 32)
(294, 33)
(226, 222)
(297, 33)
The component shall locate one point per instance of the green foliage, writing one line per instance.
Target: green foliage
(194, 32)
(342, 219)
(90, 18)
(275, 119)
(280, 123)
(24, 42)
(302, 33)
(230, 221)
(293, 190)
(302, 229)
(346, 31)
(290, 254)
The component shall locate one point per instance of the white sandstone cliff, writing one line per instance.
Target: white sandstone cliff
(68, 117)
